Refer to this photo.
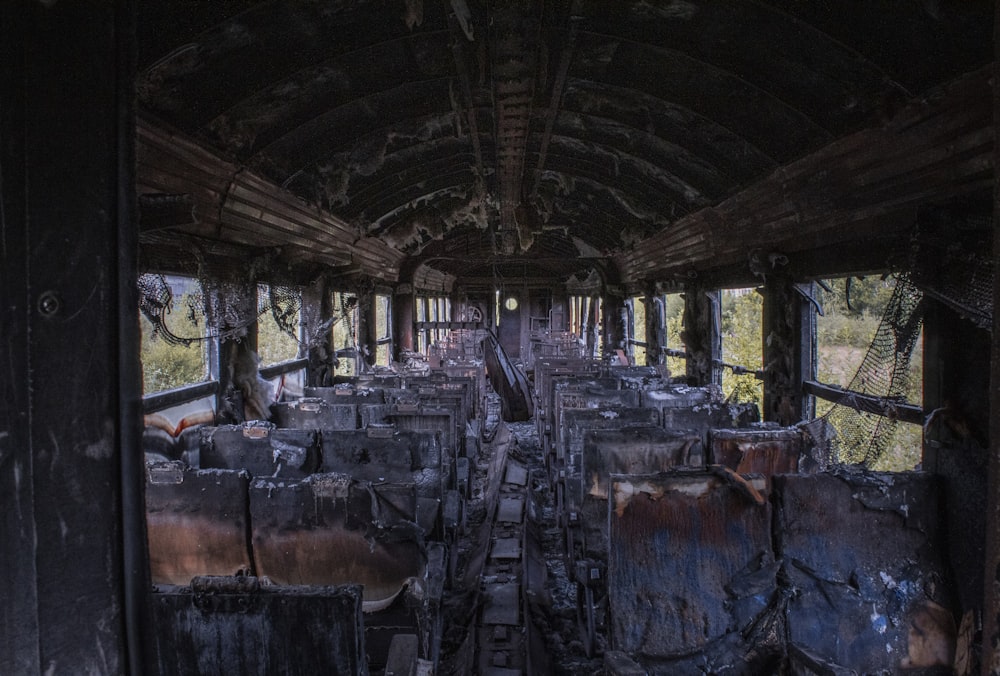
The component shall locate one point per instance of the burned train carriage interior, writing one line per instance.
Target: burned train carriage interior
(499, 337)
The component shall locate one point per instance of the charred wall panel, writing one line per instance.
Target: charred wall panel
(866, 554)
(235, 626)
(689, 566)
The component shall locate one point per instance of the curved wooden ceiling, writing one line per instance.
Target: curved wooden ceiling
(540, 136)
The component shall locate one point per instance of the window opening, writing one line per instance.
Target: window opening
(637, 330)
(870, 355)
(673, 314)
(344, 333)
(383, 332)
(174, 349)
(278, 324)
(742, 345)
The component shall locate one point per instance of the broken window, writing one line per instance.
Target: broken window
(742, 345)
(673, 314)
(383, 329)
(859, 349)
(344, 332)
(278, 326)
(174, 349)
(637, 330)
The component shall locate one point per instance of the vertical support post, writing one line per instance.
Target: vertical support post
(233, 309)
(702, 335)
(402, 320)
(787, 330)
(75, 574)
(615, 322)
(317, 310)
(559, 311)
(991, 601)
(655, 327)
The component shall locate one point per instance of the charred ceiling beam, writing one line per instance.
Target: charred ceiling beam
(514, 43)
(934, 149)
(238, 206)
(461, 34)
(555, 100)
(161, 211)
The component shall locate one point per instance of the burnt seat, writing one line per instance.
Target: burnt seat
(197, 522)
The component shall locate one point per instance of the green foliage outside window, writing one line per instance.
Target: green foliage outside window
(742, 344)
(851, 315)
(165, 366)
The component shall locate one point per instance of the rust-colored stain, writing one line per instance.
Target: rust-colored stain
(182, 546)
(678, 547)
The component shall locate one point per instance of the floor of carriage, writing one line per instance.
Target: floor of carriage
(512, 607)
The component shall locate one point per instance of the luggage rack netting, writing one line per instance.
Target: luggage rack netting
(226, 314)
(858, 436)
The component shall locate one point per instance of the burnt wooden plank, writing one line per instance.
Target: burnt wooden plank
(928, 151)
(689, 567)
(865, 553)
(865, 402)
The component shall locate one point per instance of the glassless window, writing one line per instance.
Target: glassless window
(742, 344)
(383, 329)
(278, 324)
(344, 332)
(852, 311)
(175, 351)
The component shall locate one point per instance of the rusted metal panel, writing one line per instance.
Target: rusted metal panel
(681, 396)
(864, 553)
(261, 449)
(235, 625)
(689, 568)
(546, 370)
(637, 377)
(315, 413)
(764, 451)
(576, 422)
(196, 521)
(329, 529)
(374, 414)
